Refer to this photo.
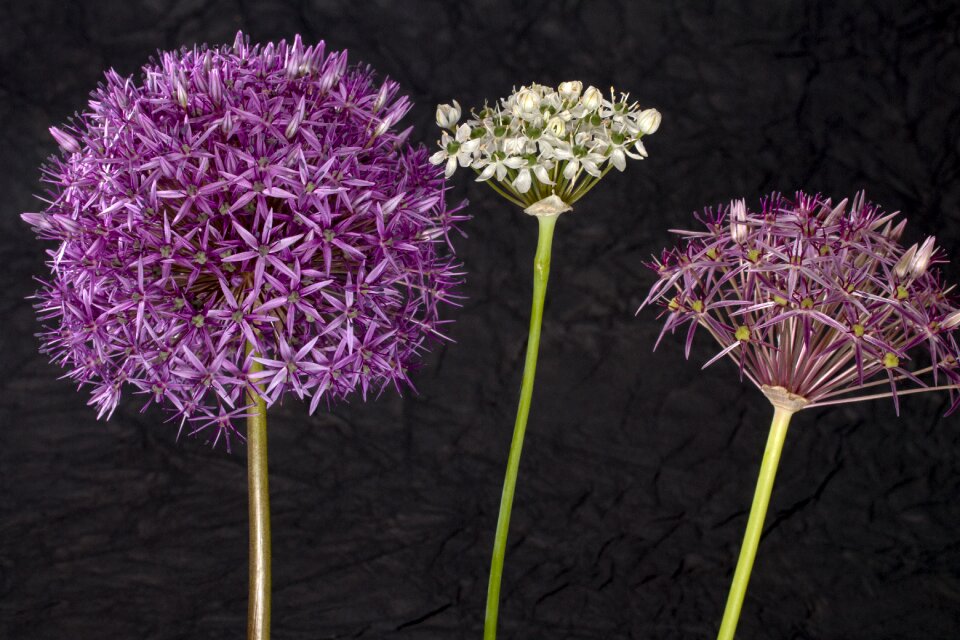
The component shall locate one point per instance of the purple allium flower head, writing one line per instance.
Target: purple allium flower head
(814, 301)
(243, 203)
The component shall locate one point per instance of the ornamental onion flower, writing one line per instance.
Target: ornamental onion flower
(241, 224)
(817, 304)
(541, 141)
(542, 149)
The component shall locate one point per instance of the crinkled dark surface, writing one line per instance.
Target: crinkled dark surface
(638, 468)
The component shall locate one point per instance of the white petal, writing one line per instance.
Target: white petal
(487, 172)
(522, 183)
(438, 157)
(618, 159)
(570, 170)
(451, 166)
(541, 172)
(591, 167)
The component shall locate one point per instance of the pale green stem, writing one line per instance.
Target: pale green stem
(751, 539)
(258, 610)
(541, 271)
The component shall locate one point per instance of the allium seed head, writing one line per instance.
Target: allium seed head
(241, 204)
(813, 302)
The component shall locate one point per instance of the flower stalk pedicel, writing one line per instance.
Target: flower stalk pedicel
(242, 224)
(817, 304)
(541, 149)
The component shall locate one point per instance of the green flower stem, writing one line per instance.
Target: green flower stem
(258, 612)
(541, 271)
(751, 539)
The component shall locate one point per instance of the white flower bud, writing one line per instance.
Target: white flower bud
(448, 116)
(951, 321)
(570, 90)
(902, 268)
(738, 218)
(556, 126)
(527, 102)
(921, 260)
(592, 98)
(522, 181)
(648, 121)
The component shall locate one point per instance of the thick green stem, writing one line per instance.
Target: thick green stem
(258, 611)
(751, 539)
(541, 271)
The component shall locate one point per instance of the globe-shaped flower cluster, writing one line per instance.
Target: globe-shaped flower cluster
(813, 300)
(242, 205)
(541, 141)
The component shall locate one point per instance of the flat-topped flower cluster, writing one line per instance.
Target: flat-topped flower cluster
(813, 298)
(540, 141)
(242, 205)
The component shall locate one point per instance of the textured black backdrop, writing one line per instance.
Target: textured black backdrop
(638, 468)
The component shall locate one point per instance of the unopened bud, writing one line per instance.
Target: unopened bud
(648, 121)
(902, 268)
(381, 97)
(592, 99)
(556, 126)
(382, 127)
(294, 124)
(527, 102)
(226, 125)
(738, 219)
(181, 94)
(951, 321)
(66, 141)
(216, 86)
(448, 116)
(921, 260)
(571, 90)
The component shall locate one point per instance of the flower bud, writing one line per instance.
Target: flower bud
(570, 90)
(382, 97)
(296, 120)
(383, 127)
(902, 268)
(648, 121)
(66, 141)
(216, 86)
(226, 125)
(592, 99)
(527, 102)
(921, 260)
(738, 219)
(447, 116)
(181, 94)
(951, 321)
(556, 126)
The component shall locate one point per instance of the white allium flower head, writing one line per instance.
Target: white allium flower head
(540, 141)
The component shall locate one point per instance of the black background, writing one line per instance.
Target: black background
(638, 468)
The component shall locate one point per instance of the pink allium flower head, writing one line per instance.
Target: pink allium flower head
(242, 203)
(814, 301)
